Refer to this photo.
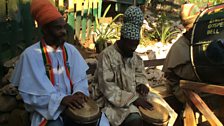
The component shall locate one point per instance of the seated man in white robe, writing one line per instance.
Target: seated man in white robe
(51, 74)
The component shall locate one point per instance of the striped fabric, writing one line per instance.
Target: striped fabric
(49, 69)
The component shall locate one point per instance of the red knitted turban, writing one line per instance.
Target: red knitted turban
(188, 14)
(43, 11)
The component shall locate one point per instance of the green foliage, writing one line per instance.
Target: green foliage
(204, 3)
(166, 33)
(163, 29)
(107, 31)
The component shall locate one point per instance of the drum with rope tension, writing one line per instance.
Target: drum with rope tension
(159, 116)
(89, 115)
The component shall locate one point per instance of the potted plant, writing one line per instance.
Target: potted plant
(106, 31)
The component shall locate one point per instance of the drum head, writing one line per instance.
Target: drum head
(88, 114)
(206, 48)
(158, 115)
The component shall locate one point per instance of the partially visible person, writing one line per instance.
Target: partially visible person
(51, 74)
(178, 65)
(121, 85)
(215, 51)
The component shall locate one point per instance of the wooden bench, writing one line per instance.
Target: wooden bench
(147, 63)
(154, 62)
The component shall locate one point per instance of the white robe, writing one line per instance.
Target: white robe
(41, 98)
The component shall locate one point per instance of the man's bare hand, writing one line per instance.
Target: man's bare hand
(77, 100)
(82, 96)
(142, 89)
(143, 103)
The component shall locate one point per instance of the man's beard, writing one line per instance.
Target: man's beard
(127, 53)
(59, 42)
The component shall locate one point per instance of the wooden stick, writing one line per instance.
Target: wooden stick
(203, 108)
(134, 2)
(202, 87)
(84, 20)
(189, 117)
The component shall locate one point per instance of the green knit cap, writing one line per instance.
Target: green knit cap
(130, 31)
(134, 15)
(133, 20)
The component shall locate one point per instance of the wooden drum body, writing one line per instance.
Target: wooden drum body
(159, 116)
(89, 114)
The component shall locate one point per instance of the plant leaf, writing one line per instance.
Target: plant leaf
(107, 9)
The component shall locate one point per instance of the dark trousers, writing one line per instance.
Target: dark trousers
(68, 122)
(133, 119)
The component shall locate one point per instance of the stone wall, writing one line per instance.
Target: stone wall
(12, 111)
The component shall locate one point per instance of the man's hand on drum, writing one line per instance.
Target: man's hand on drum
(76, 100)
(142, 89)
(141, 101)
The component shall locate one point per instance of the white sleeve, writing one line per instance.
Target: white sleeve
(78, 70)
(47, 105)
(81, 86)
